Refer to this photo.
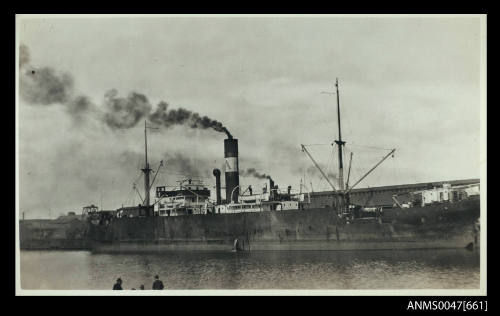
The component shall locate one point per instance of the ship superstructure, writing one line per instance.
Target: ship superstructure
(190, 197)
(268, 199)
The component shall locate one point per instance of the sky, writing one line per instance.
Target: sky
(86, 85)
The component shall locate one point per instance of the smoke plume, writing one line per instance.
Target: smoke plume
(122, 113)
(79, 106)
(167, 118)
(254, 173)
(186, 165)
(46, 86)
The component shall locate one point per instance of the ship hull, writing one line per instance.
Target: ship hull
(435, 226)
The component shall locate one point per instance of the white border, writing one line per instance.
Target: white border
(396, 292)
(84, 16)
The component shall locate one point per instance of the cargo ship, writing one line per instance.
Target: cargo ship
(186, 219)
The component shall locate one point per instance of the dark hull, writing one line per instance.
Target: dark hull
(436, 226)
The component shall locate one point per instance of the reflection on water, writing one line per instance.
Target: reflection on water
(410, 269)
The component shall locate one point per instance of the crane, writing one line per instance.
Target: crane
(369, 171)
(304, 149)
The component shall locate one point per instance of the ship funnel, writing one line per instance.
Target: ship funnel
(271, 188)
(232, 174)
(217, 185)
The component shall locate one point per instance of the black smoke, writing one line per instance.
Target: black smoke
(164, 117)
(46, 86)
(184, 165)
(123, 113)
(79, 107)
(254, 173)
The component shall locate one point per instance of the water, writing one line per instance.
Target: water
(409, 269)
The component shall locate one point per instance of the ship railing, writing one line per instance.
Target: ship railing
(244, 208)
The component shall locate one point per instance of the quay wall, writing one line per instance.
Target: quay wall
(53, 234)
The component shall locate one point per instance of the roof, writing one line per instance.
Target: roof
(398, 187)
(380, 196)
(376, 198)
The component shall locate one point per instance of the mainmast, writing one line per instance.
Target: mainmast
(146, 169)
(339, 142)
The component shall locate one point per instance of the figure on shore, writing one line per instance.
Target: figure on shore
(118, 284)
(142, 287)
(157, 284)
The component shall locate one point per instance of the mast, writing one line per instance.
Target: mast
(146, 169)
(339, 142)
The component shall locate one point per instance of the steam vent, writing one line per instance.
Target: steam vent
(231, 167)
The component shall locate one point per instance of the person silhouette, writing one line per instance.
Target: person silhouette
(118, 284)
(157, 284)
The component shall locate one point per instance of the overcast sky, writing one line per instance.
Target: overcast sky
(405, 83)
